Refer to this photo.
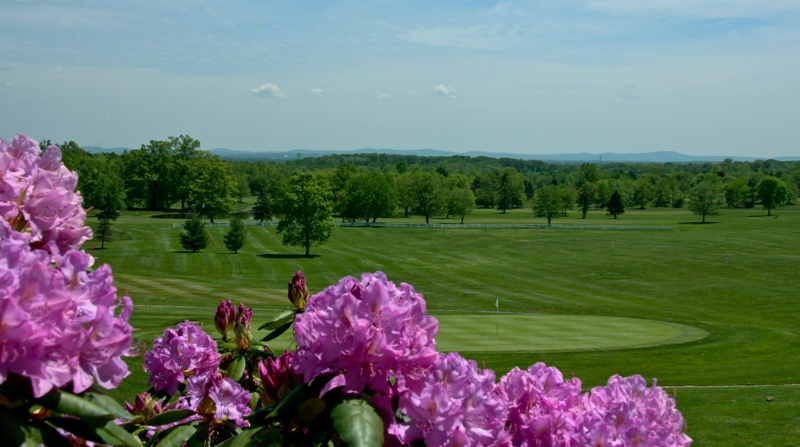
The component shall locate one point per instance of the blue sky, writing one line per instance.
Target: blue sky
(710, 77)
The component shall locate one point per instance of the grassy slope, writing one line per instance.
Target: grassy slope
(750, 307)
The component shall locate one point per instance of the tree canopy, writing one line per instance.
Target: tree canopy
(306, 208)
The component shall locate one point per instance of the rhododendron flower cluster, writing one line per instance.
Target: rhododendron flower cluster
(458, 405)
(370, 334)
(625, 412)
(542, 406)
(58, 321)
(225, 318)
(38, 194)
(369, 329)
(179, 354)
(187, 355)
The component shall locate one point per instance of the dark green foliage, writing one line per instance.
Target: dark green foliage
(369, 196)
(615, 206)
(306, 208)
(585, 197)
(548, 203)
(428, 194)
(706, 198)
(772, 192)
(194, 236)
(236, 236)
(264, 208)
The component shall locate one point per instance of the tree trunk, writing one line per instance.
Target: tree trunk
(308, 240)
(426, 219)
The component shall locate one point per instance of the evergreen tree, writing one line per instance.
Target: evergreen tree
(264, 209)
(615, 206)
(236, 236)
(585, 196)
(194, 236)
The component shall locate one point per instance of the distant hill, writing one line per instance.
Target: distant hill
(606, 157)
(646, 157)
(107, 150)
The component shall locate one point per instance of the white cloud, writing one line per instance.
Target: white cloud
(444, 90)
(410, 94)
(379, 95)
(316, 91)
(9, 84)
(268, 90)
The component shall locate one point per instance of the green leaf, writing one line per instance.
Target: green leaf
(260, 353)
(277, 332)
(358, 424)
(236, 370)
(229, 346)
(292, 401)
(280, 319)
(115, 435)
(79, 428)
(169, 417)
(68, 403)
(107, 403)
(310, 409)
(10, 430)
(254, 436)
(177, 436)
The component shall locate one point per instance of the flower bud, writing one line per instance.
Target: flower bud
(145, 405)
(298, 293)
(244, 336)
(225, 318)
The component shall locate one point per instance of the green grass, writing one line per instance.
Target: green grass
(561, 333)
(749, 308)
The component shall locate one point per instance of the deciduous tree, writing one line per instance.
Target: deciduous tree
(547, 203)
(428, 193)
(706, 198)
(306, 208)
(772, 192)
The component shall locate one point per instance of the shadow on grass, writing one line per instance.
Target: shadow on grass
(696, 223)
(773, 216)
(286, 256)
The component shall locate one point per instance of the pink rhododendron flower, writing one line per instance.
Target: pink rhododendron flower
(38, 193)
(369, 330)
(211, 393)
(277, 378)
(542, 406)
(225, 318)
(57, 322)
(298, 292)
(180, 353)
(458, 405)
(627, 413)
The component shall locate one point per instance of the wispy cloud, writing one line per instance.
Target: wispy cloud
(444, 90)
(9, 84)
(626, 95)
(266, 90)
(316, 91)
(381, 96)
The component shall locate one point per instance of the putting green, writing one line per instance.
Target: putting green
(550, 333)
(476, 332)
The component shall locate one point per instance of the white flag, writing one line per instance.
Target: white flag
(497, 303)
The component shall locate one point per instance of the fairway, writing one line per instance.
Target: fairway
(556, 333)
(702, 305)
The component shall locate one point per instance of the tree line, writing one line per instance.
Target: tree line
(175, 174)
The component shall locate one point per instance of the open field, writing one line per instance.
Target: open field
(741, 320)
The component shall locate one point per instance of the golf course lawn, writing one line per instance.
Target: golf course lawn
(543, 333)
(710, 310)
